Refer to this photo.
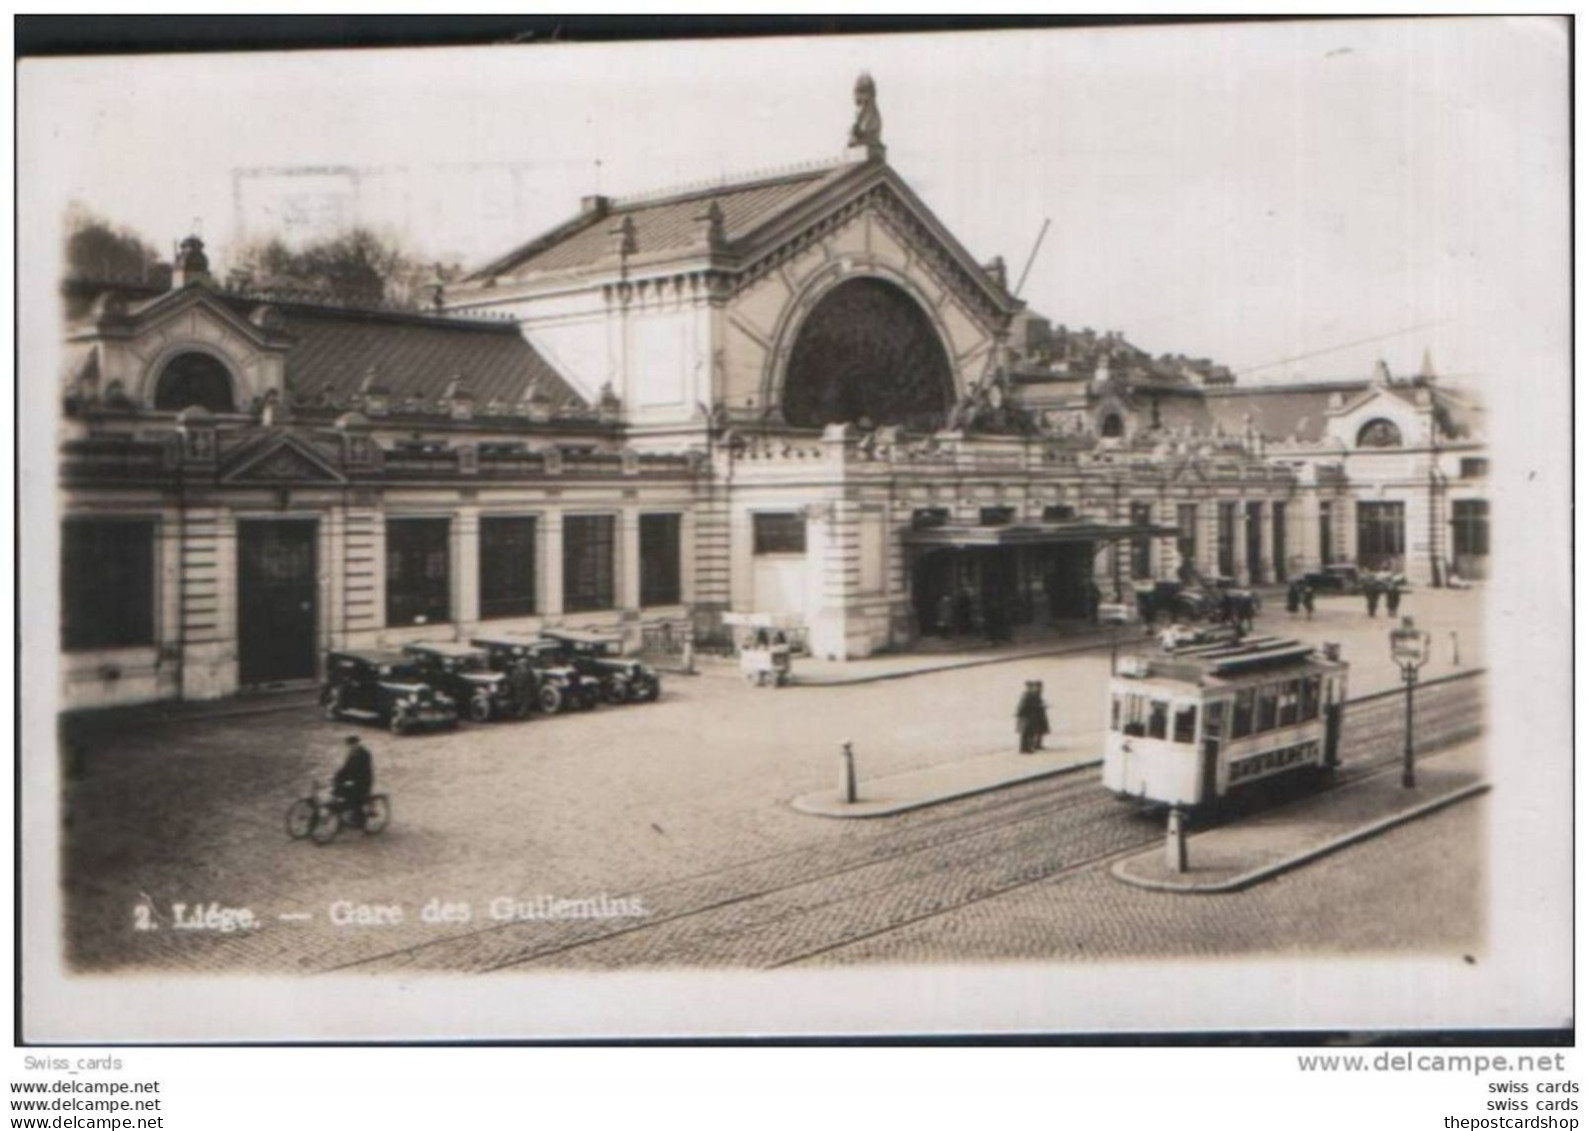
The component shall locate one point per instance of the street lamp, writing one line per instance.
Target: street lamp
(1409, 647)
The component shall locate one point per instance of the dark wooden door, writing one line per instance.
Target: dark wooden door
(276, 600)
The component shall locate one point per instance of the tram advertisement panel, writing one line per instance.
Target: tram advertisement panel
(1268, 762)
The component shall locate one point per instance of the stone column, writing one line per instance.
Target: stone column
(551, 571)
(466, 561)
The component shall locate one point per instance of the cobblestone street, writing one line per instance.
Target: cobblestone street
(684, 805)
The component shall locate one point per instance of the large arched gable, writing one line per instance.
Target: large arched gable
(867, 351)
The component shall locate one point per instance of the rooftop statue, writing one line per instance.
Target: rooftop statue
(868, 128)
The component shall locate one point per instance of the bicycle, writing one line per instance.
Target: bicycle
(322, 814)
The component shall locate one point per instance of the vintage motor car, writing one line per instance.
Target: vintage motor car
(600, 657)
(1341, 578)
(553, 685)
(465, 674)
(384, 687)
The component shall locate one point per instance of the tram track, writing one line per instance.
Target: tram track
(803, 903)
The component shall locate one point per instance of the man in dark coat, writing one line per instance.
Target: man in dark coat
(354, 781)
(1371, 594)
(1392, 598)
(1031, 718)
(1307, 599)
(1293, 597)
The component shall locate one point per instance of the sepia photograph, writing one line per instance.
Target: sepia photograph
(920, 533)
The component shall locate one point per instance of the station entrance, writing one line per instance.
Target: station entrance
(988, 581)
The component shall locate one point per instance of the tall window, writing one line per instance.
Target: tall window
(418, 571)
(1380, 535)
(588, 558)
(107, 584)
(1470, 536)
(1227, 539)
(1141, 548)
(1255, 542)
(1280, 541)
(779, 533)
(1326, 533)
(659, 560)
(1186, 540)
(507, 567)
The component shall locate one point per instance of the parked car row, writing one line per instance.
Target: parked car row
(432, 684)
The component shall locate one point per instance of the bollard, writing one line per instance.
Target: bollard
(847, 773)
(688, 657)
(1456, 653)
(1175, 841)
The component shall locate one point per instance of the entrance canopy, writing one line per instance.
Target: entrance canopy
(1034, 534)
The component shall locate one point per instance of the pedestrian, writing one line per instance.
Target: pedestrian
(1392, 597)
(522, 681)
(1041, 711)
(1293, 597)
(1147, 609)
(946, 614)
(1371, 594)
(353, 781)
(1031, 718)
(1307, 599)
(1094, 599)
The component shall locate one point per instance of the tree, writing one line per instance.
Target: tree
(96, 250)
(359, 267)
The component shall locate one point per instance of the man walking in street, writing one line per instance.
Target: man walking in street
(1031, 718)
(1392, 597)
(1307, 599)
(1371, 594)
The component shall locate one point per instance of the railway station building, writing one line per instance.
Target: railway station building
(793, 394)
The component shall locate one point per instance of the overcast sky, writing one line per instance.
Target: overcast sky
(1251, 192)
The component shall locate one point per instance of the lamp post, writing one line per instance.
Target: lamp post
(1409, 647)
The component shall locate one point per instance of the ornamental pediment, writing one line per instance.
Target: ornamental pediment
(281, 458)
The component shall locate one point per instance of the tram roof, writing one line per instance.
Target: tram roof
(1229, 662)
(1033, 533)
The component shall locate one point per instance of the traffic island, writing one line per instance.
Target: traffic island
(1259, 846)
(915, 789)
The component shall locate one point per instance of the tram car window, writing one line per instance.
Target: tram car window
(1279, 697)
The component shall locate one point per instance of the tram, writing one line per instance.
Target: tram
(1190, 726)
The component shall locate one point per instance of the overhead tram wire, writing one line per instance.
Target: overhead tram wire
(1342, 346)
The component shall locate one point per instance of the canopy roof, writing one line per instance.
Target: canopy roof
(1034, 533)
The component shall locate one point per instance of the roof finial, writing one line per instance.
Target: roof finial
(867, 132)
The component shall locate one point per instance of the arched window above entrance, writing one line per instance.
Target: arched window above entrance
(194, 378)
(867, 353)
(1379, 433)
(1112, 427)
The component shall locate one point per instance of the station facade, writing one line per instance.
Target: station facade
(794, 394)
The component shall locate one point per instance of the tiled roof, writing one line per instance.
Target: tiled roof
(1277, 411)
(662, 223)
(334, 349)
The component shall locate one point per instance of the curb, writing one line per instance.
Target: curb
(956, 665)
(908, 806)
(1307, 856)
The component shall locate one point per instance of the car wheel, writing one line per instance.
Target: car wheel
(550, 698)
(480, 708)
(616, 691)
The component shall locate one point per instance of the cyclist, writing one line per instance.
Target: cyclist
(351, 787)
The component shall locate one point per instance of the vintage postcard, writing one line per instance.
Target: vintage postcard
(1050, 531)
